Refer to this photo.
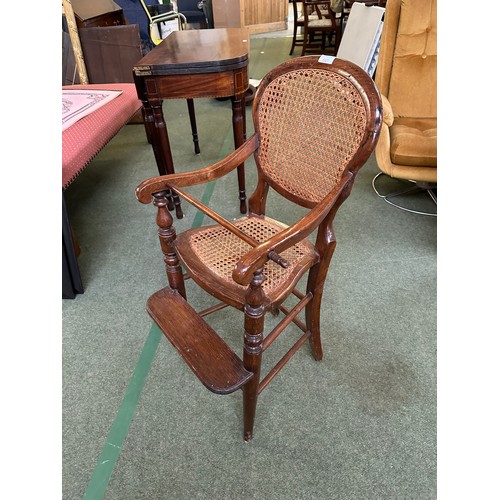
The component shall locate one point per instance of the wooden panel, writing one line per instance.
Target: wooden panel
(259, 16)
(88, 9)
(227, 14)
(202, 85)
(92, 13)
(262, 16)
(111, 52)
(69, 70)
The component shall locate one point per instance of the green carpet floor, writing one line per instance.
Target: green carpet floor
(137, 424)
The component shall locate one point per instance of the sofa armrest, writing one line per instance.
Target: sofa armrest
(387, 115)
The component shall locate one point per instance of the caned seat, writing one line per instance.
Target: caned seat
(216, 250)
(315, 124)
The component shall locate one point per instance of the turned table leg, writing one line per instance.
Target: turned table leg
(239, 133)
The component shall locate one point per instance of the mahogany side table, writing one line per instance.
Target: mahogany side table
(190, 64)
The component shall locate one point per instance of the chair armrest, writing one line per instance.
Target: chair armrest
(161, 18)
(387, 114)
(257, 256)
(146, 188)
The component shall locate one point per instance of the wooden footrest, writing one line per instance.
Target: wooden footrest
(210, 358)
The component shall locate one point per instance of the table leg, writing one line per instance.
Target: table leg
(194, 130)
(151, 135)
(71, 278)
(239, 133)
(162, 151)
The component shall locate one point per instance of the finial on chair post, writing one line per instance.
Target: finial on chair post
(167, 235)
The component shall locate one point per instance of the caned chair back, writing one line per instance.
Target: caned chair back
(315, 122)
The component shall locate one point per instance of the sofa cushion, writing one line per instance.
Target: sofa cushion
(414, 142)
(412, 91)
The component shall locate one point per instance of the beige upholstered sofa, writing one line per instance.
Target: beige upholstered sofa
(406, 76)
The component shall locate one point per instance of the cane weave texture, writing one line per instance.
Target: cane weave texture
(311, 124)
(220, 250)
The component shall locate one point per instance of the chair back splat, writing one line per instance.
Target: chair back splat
(316, 124)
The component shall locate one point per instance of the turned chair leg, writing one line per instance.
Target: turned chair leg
(252, 350)
(167, 235)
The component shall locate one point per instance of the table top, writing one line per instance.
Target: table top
(197, 51)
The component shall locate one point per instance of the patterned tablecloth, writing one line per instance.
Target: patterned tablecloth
(78, 103)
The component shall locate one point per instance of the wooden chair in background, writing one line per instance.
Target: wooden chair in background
(298, 23)
(319, 18)
(316, 125)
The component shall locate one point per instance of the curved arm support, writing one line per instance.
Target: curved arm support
(257, 257)
(145, 190)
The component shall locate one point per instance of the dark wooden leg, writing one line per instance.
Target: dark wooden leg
(194, 129)
(315, 285)
(239, 133)
(338, 35)
(294, 38)
(167, 235)
(147, 113)
(313, 314)
(147, 123)
(305, 42)
(161, 148)
(156, 131)
(71, 279)
(252, 351)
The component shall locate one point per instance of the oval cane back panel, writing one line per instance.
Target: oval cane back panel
(311, 123)
(219, 250)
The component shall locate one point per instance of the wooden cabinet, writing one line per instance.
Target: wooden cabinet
(94, 13)
(259, 16)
